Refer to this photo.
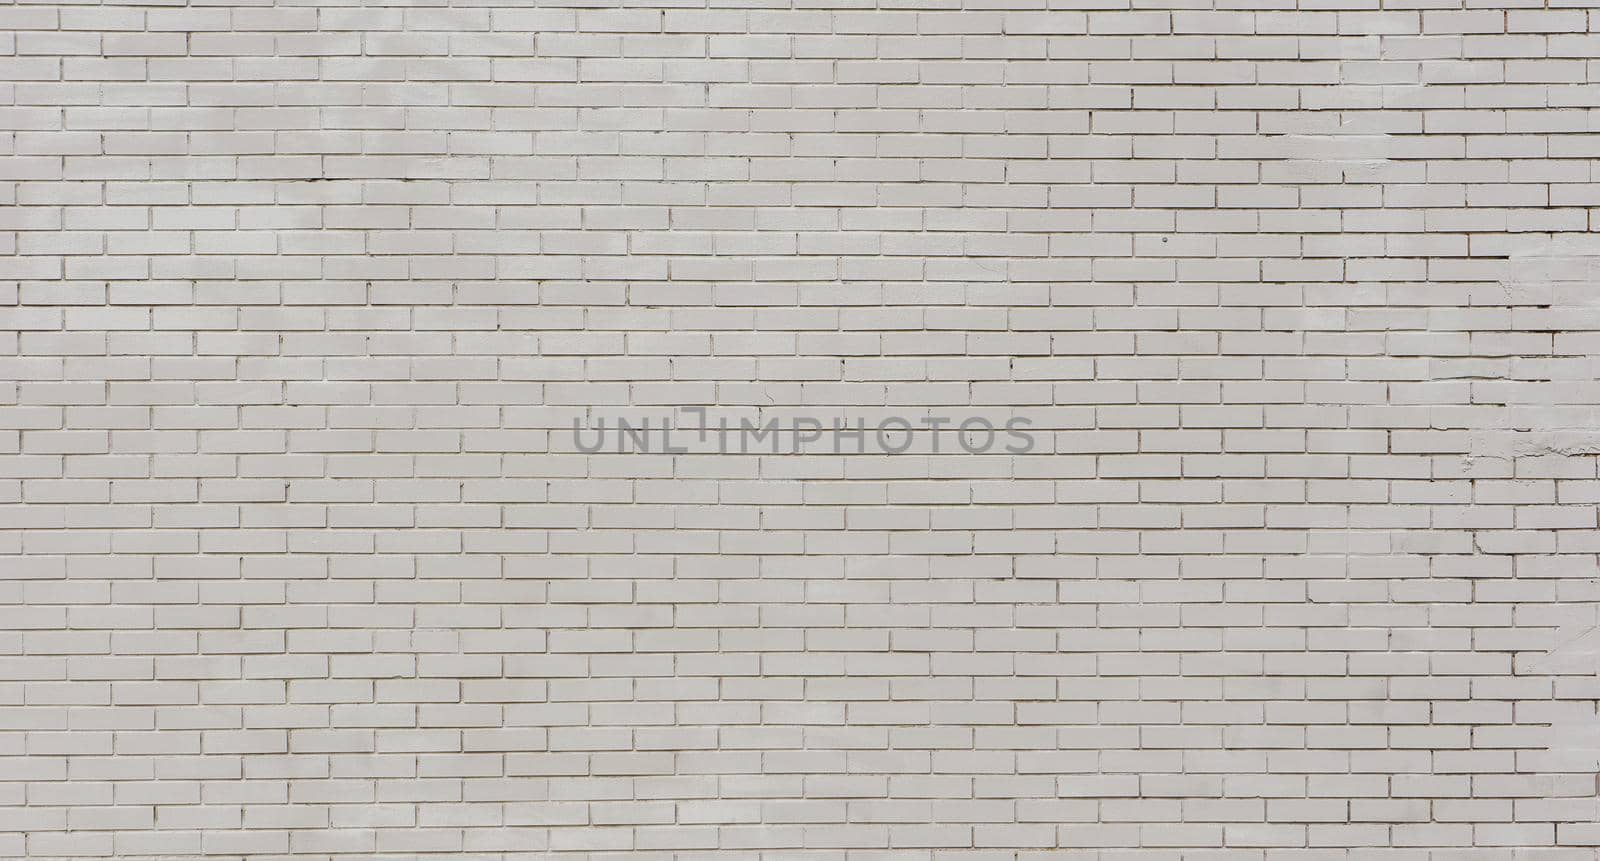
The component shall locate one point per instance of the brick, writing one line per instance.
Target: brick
(300, 554)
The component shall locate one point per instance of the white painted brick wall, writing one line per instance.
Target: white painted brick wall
(301, 556)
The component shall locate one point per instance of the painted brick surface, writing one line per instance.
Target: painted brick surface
(1296, 304)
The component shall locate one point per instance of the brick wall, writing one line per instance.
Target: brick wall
(1297, 308)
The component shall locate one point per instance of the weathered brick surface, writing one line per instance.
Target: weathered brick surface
(301, 556)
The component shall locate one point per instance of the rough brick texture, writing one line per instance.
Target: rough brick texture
(301, 556)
